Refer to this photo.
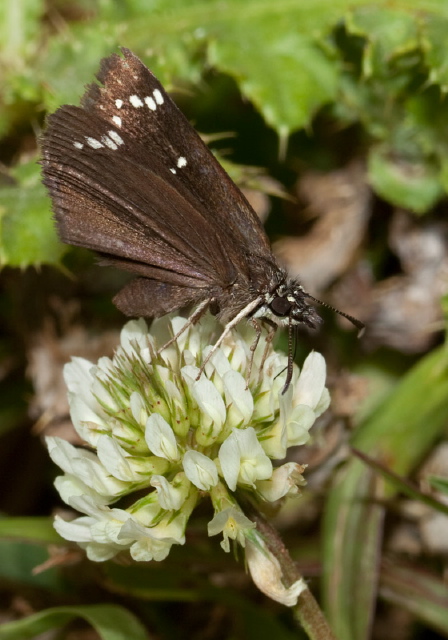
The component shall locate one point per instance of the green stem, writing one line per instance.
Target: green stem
(307, 611)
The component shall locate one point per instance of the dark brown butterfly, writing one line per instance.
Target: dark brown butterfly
(131, 179)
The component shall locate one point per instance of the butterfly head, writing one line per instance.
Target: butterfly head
(288, 305)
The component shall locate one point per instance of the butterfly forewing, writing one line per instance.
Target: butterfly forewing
(133, 97)
(130, 178)
(105, 202)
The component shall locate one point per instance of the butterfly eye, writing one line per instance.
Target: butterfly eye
(280, 306)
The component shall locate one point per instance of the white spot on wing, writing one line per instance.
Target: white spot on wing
(115, 137)
(109, 143)
(78, 145)
(158, 96)
(173, 170)
(150, 103)
(118, 103)
(95, 144)
(181, 162)
(135, 101)
(116, 120)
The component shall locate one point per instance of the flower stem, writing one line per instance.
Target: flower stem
(307, 611)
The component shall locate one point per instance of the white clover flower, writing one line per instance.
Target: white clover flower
(229, 518)
(243, 460)
(284, 481)
(155, 424)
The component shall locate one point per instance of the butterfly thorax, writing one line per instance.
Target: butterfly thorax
(281, 300)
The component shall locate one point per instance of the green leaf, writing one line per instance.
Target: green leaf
(388, 74)
(435, 49)
(352, 532)
(389, 32)
(23, 547)
(63, 77)
(398, 95)
(399, 433)
(112, 622)
(20, 26)
(439, 483)
(37, 530)
(274, 53)
(419, 593)
(27, 234)
(287, 77)
(19, 32)
(402, 485)
(413, 185)
(18, 561)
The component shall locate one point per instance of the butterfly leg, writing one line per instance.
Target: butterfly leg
(272, 328)
(257, 325)
(192, 319)
(228, 328)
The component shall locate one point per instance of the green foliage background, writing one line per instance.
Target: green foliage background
(377, 70)
(379, 65)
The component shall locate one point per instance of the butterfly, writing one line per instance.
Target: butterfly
(130, 179)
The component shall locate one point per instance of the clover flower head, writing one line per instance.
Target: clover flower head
(160, 435)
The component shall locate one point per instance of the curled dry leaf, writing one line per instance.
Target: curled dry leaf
(47, 355)
(341, 201)
(402, 311)
(405, 310)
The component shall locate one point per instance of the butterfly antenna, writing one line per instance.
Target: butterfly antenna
(357, 323)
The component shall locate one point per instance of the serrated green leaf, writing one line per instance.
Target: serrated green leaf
(287, 77)
(60, 71)
(435, 49)
(389, 32)
(112, 622)
(284, 71)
